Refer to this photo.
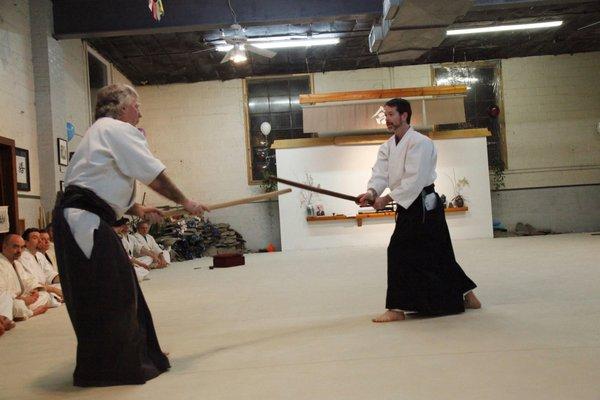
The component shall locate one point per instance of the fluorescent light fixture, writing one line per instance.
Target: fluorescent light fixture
(502, 28)
(457, 80)
(285, 43)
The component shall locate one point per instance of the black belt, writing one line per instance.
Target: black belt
(85, 199)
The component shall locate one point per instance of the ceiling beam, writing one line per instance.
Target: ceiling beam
(93, 18)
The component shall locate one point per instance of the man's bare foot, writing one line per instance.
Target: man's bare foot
(6, 323)
(390, 316)
(471, 301)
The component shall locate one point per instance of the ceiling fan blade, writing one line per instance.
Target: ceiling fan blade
(227, 56)
(202, 50)
(261, 52)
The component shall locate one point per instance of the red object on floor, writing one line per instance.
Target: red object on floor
(271, 248)
(228, 260)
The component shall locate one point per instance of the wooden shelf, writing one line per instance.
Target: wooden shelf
(361, 216)
(382, 94)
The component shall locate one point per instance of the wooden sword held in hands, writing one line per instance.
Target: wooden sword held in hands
(316, 189)
(172, 211)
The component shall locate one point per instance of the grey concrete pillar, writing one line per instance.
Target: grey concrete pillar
(49, 80)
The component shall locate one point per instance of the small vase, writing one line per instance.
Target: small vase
(310, 210)
(459, 201)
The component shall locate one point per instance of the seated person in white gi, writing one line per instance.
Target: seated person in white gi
(34, 263)
(29, 297)
(46, 248)
(140, 257)
(51, 253)
(146, 240)
(6, 312)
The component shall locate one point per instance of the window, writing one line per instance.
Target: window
(275, 101)
(483, 104)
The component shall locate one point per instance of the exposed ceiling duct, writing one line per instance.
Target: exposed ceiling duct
(412, 27)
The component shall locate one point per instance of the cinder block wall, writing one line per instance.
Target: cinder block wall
(552, 109)
(198, 131)
(17, 95)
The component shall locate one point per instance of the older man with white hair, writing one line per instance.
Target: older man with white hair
(117, 343)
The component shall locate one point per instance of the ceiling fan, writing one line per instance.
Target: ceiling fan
(240, 45)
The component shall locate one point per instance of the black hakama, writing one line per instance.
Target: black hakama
(116, 340)
(423, 275)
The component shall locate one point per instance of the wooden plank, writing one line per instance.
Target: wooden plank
(382, 94)
(360, 139)
(306, 142)
(460, 134)
(369, 215)
(316, 218)
(456, 209)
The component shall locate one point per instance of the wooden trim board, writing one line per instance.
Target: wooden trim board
(361, 216)
(382, 94)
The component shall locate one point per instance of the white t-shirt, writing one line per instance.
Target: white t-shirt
(111, 156)
(406, 168)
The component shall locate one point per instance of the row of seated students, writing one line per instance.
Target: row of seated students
(29, 277)
(145, 254)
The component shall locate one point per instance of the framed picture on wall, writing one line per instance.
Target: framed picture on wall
(63, 152)
(22, 160)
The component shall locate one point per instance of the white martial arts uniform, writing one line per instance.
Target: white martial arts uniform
(405, 168)
(109, 159)
(15, 282)
(52, 255)
(6, 305)
(149, 242)
(38, 266)
(133, 249)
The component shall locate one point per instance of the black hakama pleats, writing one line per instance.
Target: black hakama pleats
(116, 340)
(423, 275)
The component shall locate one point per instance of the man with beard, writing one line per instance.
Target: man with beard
(423, 275)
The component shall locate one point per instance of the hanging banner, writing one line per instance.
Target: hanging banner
(4, 220)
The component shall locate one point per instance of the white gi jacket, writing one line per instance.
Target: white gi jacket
(38, 266)
(110, 158)
(405, 168)
(15, 282)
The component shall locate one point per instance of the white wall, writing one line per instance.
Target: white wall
(17, 95)
(197, 130)
(347, 169)
(552, 108)
(43, 85)
(372, 78)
